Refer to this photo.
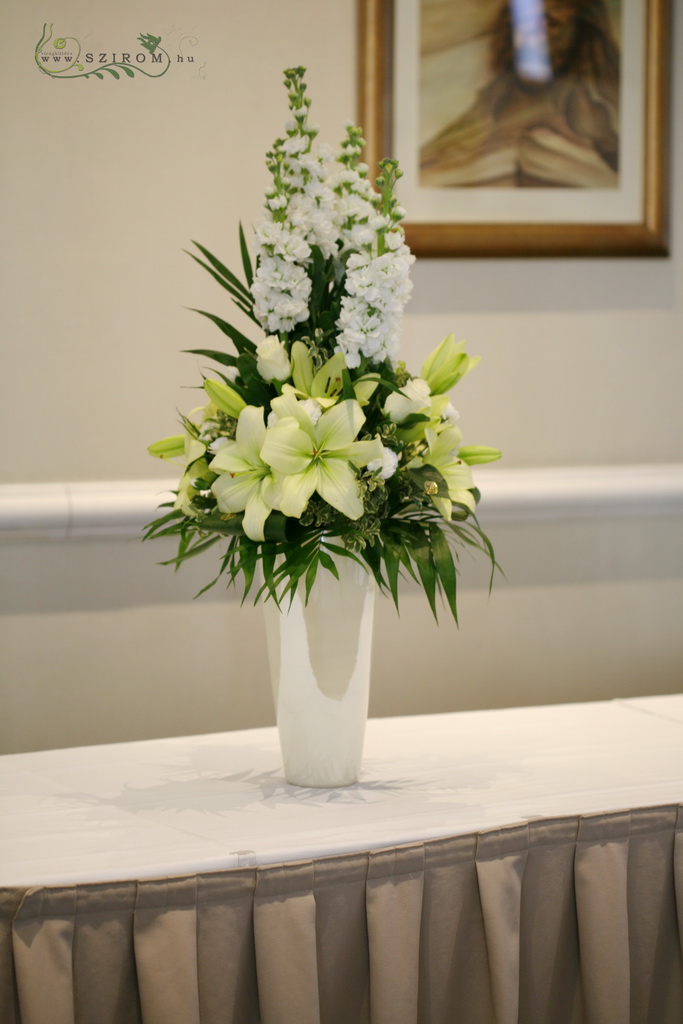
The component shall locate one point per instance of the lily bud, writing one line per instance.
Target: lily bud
(477, 454)
(224, 397)
(168, 447)
(446, 365)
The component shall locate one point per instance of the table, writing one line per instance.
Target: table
(518, 865)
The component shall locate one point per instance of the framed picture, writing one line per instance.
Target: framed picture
(522, 127)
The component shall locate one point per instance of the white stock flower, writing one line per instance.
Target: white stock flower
(295, 144)
(377, 291)
(281, 292)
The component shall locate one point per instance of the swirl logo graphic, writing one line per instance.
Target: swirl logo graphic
(63, 57)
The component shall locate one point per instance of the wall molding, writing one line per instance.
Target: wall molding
(120, 508)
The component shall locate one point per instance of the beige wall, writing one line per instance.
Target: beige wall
(106, 183)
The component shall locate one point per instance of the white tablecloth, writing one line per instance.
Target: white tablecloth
(205, 803)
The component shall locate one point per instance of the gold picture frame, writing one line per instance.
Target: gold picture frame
(389, 82)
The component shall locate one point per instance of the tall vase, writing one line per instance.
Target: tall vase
(319, 656)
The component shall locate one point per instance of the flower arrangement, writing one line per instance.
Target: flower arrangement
(314, 439)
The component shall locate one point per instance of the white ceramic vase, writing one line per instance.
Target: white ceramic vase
(320, 670)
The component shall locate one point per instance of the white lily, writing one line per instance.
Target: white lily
(245, 483)
(317, 457)
(325, 386)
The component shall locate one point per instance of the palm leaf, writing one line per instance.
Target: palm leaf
(225, 273)
(246, 260)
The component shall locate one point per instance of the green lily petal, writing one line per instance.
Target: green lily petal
(365, 387)
(443, 444)
(302, 367)
(251, 432)
(324, 403)
(255, 514)
(444, 506)
(338, 486)
(287, 448)
(465, 498)
(297, 489)
(288, 405)
(328, 380)
(233, 492)
(362, 452)
(194, 449)
(271, 490)
(228, 460)
(338, 427)
(457, 475)
(186, 493)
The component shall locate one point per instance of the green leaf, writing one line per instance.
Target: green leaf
(412, 420)
(111, 71)
(208, 353)
(208, 586)
(317, 276)
(422, 554)
(240, 341)
(425, 477)
(445, 567)
(169, 531)
(347, 386)
(225, 273)
(275, 527)
(237, 297)
(337, 549)
(268, 565)
(157, 524)
(185, 551)
(257, 390)
(226, 527)
(248, 554)
(311, 574)
(389, 385)
(391, 562)
(460, 512)
(246, 260)
(328, 563)
(129, 71)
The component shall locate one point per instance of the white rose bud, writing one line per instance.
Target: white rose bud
(272, 361)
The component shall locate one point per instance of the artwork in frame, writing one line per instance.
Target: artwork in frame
(523, 127)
